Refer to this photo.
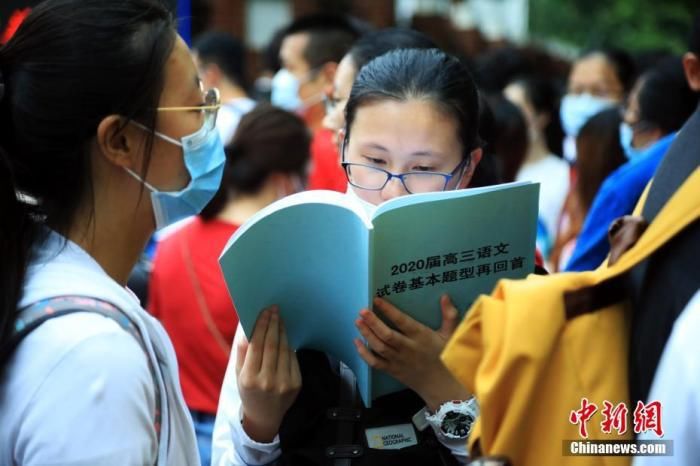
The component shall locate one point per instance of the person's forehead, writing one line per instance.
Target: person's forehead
(344, 76)
(181, 76)
(593, 69)
(293, 47)
(402, 125)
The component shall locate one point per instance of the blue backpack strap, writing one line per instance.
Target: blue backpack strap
(36, 314)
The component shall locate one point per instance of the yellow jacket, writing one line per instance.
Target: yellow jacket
(533, 349)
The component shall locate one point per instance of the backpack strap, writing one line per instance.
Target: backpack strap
(679, 212)
(36, 314)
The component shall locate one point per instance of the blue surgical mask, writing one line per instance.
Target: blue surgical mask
(285, 91)
(576, 109)
(626, 135)
(205, 159)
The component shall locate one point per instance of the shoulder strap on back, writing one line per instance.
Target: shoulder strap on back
(682, 209)
(33, 316)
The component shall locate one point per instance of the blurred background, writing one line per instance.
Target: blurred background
(467, 28)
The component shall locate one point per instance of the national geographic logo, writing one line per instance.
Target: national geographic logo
(391, 437)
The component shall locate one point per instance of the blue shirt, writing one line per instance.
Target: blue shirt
(617, 196)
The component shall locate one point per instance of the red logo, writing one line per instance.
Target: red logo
(614, 417)
(582, 416)
(648, 417)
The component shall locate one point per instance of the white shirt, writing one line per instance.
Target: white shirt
(78, 390)
(553, 175)
(677, 386)
(231, 446)
(230, 115)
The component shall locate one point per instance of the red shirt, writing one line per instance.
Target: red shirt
(326, 172)
(179, 303)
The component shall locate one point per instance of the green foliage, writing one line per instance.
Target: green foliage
(634, 25)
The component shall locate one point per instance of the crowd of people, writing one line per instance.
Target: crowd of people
(128, 160)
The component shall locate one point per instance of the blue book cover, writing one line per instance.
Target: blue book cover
(321, 256)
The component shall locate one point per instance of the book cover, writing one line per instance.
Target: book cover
(321, 257)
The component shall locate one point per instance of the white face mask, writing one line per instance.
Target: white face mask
(367, 206)
(577, 109)
(285, 92)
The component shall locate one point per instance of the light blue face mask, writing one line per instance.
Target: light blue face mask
(576, 109)
(205, 159)
(626, 135)
(285, 91)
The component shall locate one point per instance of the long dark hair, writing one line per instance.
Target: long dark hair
(431, 75)
(599, 153)
(70, 64)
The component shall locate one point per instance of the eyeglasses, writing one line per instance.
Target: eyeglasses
(375, 179)
(210, 108)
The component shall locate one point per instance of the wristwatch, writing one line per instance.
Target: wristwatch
(454, 419)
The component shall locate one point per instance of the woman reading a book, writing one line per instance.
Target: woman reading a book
(412, 127)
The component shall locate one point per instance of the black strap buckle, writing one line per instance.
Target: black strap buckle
(344, 414)
(344, 451)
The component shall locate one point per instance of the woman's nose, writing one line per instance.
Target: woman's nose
(393, 188)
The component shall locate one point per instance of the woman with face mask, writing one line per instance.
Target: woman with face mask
(106, 135)
(411, 127)
(599, 80)
(658, 105)
(266, 160)
(600, 153)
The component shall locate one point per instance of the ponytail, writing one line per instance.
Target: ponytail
(17, 234)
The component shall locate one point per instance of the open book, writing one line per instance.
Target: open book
(322, 256)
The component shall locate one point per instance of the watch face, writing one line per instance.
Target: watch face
(457, 424)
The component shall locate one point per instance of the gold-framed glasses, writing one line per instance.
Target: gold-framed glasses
(210, 107)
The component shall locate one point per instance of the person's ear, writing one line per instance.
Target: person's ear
(341, 142)
(691, 66)
(328, 74)
(474, 159)
(120, 143)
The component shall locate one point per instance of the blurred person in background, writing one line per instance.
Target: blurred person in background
(599, 153)
(600, 79)
(265, 161)
(538, 100)
(660, 102)
(310, 51)
(220, 60)
(367, 48)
